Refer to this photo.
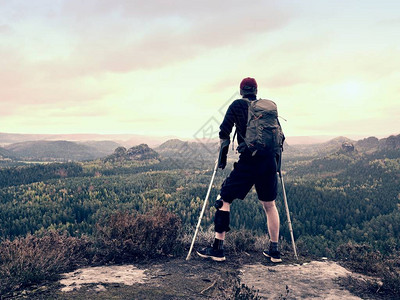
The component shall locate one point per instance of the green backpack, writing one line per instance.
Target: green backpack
(263, 131)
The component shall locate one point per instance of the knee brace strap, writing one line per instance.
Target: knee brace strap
(221, 221)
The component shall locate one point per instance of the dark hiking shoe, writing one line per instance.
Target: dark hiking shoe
(275, 256)
(210, 252)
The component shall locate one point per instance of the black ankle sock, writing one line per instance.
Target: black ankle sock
(218, 244)
(273, 246)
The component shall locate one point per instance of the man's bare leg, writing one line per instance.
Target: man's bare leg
(273, 221)
(273, 224)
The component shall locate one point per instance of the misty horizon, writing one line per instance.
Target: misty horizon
(135, 139)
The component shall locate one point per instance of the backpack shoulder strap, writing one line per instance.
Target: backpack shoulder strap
(236, 130)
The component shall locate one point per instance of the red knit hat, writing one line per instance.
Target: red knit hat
(248, 83)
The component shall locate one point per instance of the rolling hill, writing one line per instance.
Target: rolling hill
(61, 150)
(6, 154)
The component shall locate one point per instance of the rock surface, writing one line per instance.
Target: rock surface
(314, 280)
(126, 274)
(205, 279)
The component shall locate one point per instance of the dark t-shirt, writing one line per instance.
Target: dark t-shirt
(236, 114)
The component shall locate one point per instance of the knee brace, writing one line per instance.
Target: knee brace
(221, 221)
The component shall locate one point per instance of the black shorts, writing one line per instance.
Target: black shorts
(249, 171)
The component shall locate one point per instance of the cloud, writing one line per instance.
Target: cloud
(124, 36)
(4, 29)
(60, 54)
(23, 82)
(321, 60)
(8, 109)
(176, 8)
(12, 68)
(79, 111)
(395, 21)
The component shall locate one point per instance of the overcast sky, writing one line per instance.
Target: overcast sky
(172, 67)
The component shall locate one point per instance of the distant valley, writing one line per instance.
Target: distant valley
(69, 150)
(57, 150)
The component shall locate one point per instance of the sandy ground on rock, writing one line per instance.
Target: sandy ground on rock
(205, 279)
(314, 280)
(163, 279)
(126, 274)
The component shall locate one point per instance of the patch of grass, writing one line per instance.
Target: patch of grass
(363, 288)
(243, 292)
(391, 275)
(240, 241)
(128, 236)
(360, 257)
(363, 259)
(33, 259)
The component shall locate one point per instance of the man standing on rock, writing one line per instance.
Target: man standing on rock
(257, 165)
